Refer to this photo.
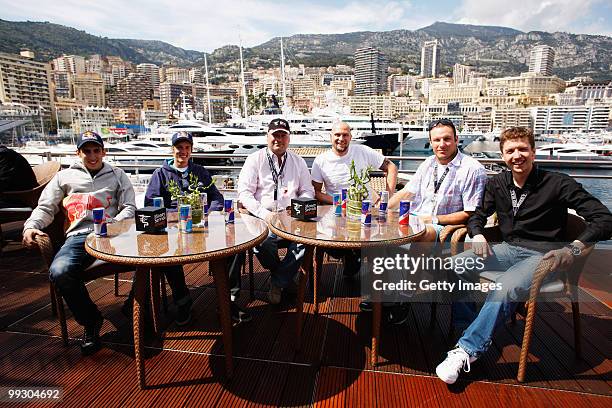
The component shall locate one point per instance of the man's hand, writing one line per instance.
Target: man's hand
(481, 247)
(562, 258)
(29, 235)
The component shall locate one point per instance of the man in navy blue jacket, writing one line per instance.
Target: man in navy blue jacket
(179, 170)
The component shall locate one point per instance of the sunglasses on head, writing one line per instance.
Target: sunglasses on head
(438, 122)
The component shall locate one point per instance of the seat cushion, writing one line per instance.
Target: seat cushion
(554, 286)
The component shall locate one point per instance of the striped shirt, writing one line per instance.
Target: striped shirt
(461, 189)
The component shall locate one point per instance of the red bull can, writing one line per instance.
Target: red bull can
(205, 208)
(382, 209)
(186, 223)
(228, 206)
(344, 200)
(158, 202)
(99, 222)
(337, 204)
(366, 212)
(404, 212)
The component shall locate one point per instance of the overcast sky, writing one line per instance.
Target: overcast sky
(205, 25)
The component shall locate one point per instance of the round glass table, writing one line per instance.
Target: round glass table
(330, 231)
(147, 252)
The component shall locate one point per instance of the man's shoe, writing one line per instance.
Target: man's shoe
(91, 338)
(239, 315)
(365, 306)
(352, 265)
(183, 314)
(398, 314)
(274, 295)
(456, 359)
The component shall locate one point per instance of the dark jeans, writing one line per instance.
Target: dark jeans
(66, 272)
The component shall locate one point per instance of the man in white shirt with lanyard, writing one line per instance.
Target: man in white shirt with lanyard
(332, 169)
(445, 190)
(268, 181)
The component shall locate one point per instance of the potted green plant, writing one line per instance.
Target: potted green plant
(191, 196)
(357, 191)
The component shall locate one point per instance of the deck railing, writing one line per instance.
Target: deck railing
(136, 167)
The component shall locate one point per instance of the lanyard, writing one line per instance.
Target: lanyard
(516, 204)
(276, 174)
(438, 183)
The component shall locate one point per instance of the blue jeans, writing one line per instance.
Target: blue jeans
(282, 272)
(66, 273)
(518, 265)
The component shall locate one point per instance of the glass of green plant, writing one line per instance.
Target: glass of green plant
(357, 191)
(190, 196)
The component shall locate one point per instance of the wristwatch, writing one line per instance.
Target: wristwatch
(574, 249)
(434, 220)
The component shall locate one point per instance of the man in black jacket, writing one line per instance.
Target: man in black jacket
(531, 206)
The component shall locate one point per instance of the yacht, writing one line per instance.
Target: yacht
(417, 142)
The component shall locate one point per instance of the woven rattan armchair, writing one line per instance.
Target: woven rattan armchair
(48, 245)
(29, 198)
(566, 286)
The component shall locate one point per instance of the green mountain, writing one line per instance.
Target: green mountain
(495, 50)
(49, 41)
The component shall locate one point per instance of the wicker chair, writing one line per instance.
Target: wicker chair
(564, 287)
(49, 245)
(44, 173)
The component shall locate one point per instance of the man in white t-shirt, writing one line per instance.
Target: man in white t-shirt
(332, 169)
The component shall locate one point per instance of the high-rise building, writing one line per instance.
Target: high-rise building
(170, 95)
(195, 76)
(370, 71)
(61, 81)
(430, 62)
(94, 64)
(23, 80)
(151, 71)
(75, 64)
(177, 75)
(131, 91)
(461, 74)
(541, 59)
(89, 89)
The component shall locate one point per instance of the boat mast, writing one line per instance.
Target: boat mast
(207, 90)
(283, 73)
(244, 95)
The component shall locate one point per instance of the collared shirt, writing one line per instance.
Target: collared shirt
(256, 184)
(461, 189)
(542, 216)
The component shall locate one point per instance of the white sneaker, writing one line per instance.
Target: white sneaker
(456, 359)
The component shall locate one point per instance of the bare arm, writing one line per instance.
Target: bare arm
(390, 170)
(403, 194)
(459, 217)
(321, 196)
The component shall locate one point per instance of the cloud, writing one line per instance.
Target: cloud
(541, 15)
(205, 25)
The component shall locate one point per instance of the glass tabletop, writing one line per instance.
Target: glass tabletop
(329, 230)
(123, 241)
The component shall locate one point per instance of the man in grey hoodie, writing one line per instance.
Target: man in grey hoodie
(87, 184)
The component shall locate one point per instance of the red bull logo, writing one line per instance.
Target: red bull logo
(404, 212)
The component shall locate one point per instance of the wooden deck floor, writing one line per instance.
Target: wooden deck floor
(185, 368)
